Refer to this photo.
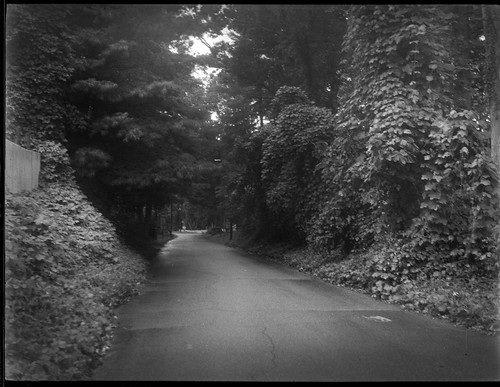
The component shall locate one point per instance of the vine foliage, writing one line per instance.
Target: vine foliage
(65, 271)
(407, 158)
(295, 141)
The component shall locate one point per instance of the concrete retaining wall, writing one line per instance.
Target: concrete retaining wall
(22, 168)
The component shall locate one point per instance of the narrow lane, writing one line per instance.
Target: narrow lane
(210, 312)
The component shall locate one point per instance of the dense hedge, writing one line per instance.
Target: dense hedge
(65, 271)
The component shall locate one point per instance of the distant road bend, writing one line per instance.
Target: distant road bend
(214, 313)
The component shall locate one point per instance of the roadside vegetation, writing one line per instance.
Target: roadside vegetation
(66, 269)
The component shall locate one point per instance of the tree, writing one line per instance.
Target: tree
(491, 19)
(249, 199)
(225, 140)
(137, 95)
(405, 147)
(273, 46)
(287, 45)
(292, 149)
(112, 85)
(40, 60)
(281, 45)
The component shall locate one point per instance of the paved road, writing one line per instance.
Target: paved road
(210, 312)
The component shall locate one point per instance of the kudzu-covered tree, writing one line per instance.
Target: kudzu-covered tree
(409, 157)
(292, 148)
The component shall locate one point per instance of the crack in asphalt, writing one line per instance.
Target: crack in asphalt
(273, 349)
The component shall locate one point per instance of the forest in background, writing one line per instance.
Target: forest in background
(366, 135)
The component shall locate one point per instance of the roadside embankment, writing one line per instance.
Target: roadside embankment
(66, 270)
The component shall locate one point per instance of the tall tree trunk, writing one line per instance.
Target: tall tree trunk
(462, 31)
(491, 19)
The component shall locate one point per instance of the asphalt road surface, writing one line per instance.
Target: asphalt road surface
(214, 313)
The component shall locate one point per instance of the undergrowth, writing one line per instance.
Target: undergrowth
(65, 271)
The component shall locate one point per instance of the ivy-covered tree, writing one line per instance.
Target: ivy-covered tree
(40, 61)
(491, 22)
(294, 143)
(248, 199)
(405, 147)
